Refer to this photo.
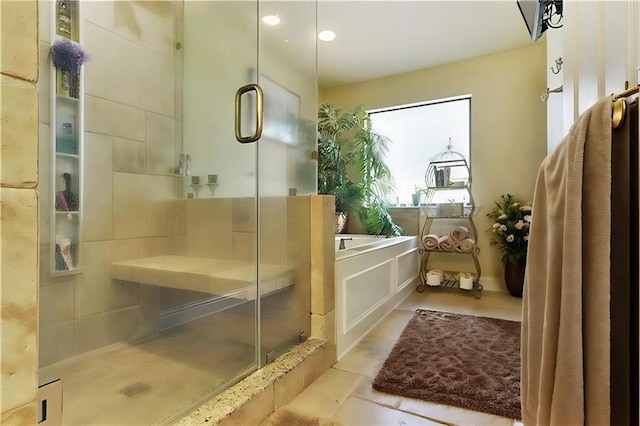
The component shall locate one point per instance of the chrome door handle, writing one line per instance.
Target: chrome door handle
(259, 113)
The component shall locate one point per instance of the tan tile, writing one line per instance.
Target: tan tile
(96, 70)
(56, 302)
(113, 119)
(120, 68)
(122, 324)
(44, 84)
(125, 121)
(324, 326)
(326, 394)
(20, 38)
(491, 304)
(178, 245)
(364, 390)
(243, 246)
(451, 415)
(322, 254)
(160, 191)
(149, 310)
(299, 231)
(91, 333)
(330, 355)
(154, 246)
(157, 87)
(244, 214)
(178, 216)
(273, 230)
(95, 115)
(89, 299)
(359, 364)
(19, 99)
(254, 412)
(120, 294)
(298, 379)
(23, 415)
(18, 311)
(119, 250)
(156, 19)
(148, 23)
(374, 346)
(392, 325)
(44, 181)
(55, 343)
(100, 13)
(356, 411)
(160, 145)
(129, 156)
(209, 228)
(141, 205)
(98, 187)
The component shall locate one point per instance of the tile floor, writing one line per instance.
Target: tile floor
(344, 394)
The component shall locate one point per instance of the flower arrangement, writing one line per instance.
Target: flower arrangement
(511, 228)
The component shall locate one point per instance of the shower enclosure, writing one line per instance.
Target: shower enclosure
(194, 247)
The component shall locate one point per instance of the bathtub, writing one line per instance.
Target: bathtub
(373, 275)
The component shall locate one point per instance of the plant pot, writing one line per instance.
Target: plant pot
(514, 276)
(415, 198)
(340, 221)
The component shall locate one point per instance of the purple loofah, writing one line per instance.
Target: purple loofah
(68, 56)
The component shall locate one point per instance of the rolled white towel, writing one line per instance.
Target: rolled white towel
(458, 234)
(466, 245)
(430, 242)
(444, 244)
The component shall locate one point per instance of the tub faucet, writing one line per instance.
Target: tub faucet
(342, 240)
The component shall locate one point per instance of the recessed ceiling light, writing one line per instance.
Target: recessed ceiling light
(326, 35)
(271, 20)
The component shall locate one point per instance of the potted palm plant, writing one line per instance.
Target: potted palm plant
(351, 167)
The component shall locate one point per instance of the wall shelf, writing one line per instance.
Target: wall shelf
(67, 149)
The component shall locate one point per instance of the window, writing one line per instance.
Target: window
(417, 133)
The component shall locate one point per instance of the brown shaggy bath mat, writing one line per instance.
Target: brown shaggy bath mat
(461, 360)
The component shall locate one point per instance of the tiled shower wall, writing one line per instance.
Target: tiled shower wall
(130, 146)
(18, 212)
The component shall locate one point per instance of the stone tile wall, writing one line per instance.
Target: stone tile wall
(18, 212)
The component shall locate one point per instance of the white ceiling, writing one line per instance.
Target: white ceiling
(381, 38)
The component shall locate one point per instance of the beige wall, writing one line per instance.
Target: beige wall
(19, 212)
(508, 121)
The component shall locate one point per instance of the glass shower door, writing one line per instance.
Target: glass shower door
(195, 247)
(286, 172)
(219, 185)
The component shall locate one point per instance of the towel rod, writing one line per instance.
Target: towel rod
(628, 92)
(619, 109)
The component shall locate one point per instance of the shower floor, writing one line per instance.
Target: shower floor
(148, 382)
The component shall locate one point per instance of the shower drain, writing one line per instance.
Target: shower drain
(135, 389)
